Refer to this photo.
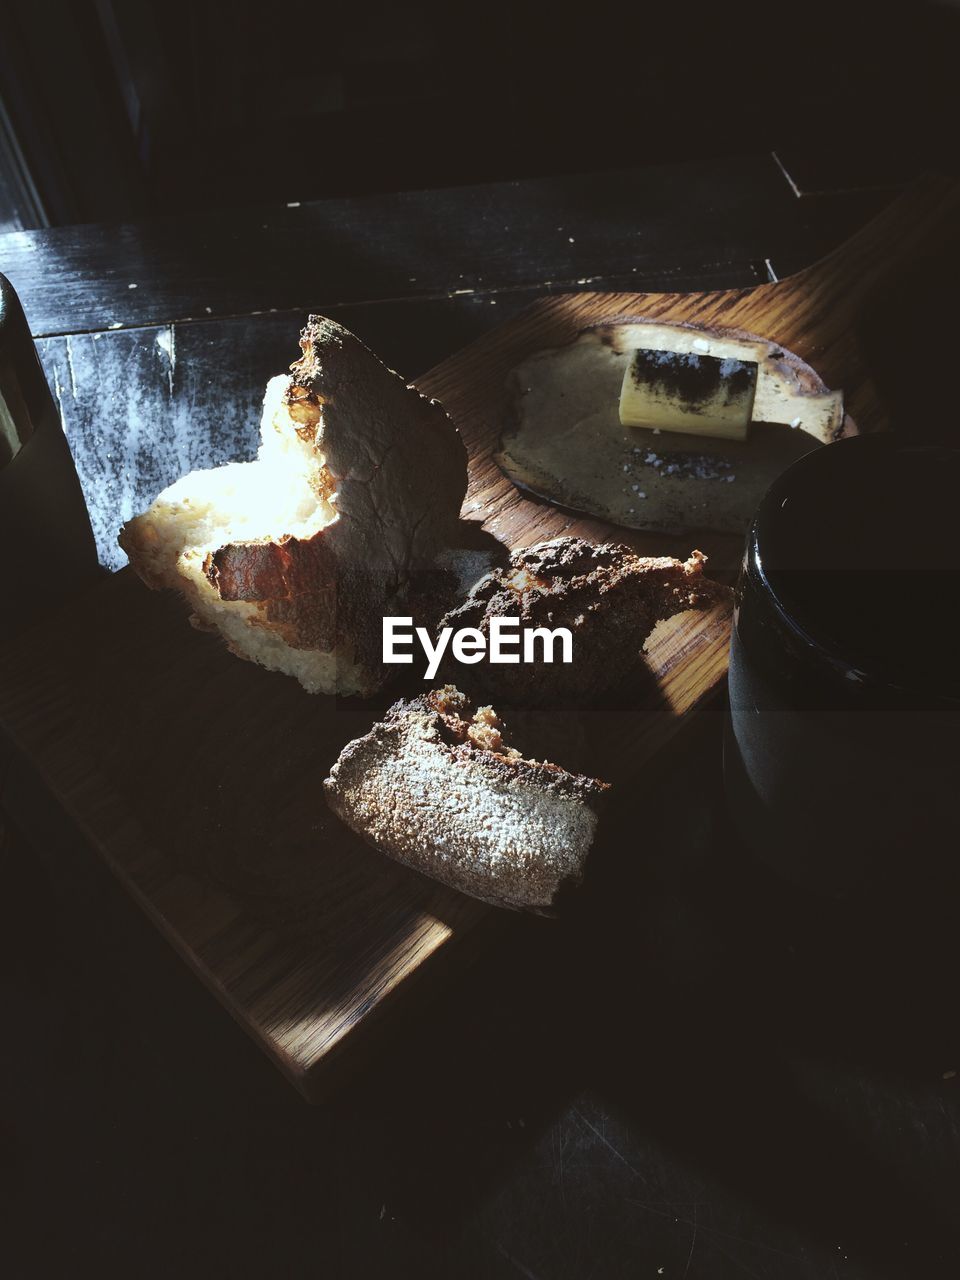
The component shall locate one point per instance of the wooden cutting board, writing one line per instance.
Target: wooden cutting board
(197, 777)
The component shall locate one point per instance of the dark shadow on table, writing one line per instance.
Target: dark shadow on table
(689, 992)
(713, 1012)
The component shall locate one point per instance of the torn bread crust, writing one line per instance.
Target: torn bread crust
(434, 786)
(609, 598)
(296, 557)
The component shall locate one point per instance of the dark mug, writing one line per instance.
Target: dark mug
(841, 751)
(47, 549)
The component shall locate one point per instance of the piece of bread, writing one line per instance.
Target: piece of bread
(610, 600)
(296, 557)
(435, 786)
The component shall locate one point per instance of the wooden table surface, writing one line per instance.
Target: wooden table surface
(716, 1079)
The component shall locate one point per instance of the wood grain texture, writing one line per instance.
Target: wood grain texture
(563, 232)
(198, 777)
(142, 406)
(814, 313)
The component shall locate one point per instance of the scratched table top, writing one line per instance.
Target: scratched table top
(707, 1077)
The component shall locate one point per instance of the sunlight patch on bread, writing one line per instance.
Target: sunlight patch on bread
(296, 556)
(287, 492)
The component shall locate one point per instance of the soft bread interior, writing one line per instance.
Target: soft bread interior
(482, 728)
(286, 493)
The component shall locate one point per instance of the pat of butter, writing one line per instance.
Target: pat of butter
(690, 392)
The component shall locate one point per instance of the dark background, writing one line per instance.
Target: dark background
(702, 1075)
(123, 108)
